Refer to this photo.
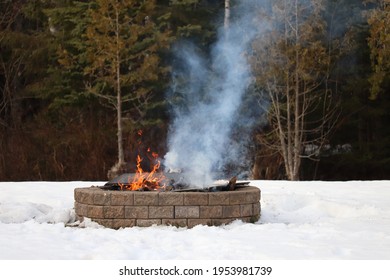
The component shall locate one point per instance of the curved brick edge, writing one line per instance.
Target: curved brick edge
(116, 209)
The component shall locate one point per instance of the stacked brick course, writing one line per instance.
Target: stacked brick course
(116, 209)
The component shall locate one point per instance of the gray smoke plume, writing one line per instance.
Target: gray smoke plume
(206, 97)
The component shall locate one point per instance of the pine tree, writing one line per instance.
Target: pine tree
(123, 43)
(67, 24)
(24, 48)
(379, 43)
(195, 19)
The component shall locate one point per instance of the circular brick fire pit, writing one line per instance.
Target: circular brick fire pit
(116, 209)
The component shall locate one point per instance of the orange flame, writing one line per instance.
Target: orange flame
(142, 180)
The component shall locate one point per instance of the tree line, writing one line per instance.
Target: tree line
(83, 83)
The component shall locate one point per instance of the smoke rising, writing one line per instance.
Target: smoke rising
(206, 95)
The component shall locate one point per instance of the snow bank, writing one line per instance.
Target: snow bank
(43, 202)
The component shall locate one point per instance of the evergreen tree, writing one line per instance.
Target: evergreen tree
(123, 43)
(379, 43)
(67, 24)
(359, 146)
(24, 53)
(362, 127)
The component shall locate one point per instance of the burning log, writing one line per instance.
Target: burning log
(232, 183)
(170, 182)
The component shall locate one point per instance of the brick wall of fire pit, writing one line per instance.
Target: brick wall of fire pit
(116, 209)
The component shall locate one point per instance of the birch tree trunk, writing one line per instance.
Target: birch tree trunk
(121, 156)
(296, 163)
(227, 15)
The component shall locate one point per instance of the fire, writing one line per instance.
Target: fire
(142, 180)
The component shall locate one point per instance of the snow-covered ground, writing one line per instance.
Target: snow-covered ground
(299, 220)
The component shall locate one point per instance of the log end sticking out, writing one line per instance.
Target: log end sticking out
(232, 183)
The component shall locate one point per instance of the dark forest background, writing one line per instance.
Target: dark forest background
(57, 122)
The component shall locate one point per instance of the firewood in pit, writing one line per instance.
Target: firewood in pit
(232, 183)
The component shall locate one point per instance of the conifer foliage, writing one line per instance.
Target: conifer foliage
(123, 39)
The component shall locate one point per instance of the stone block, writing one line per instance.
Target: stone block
(160, 212)
(122, 198)
(145, 198)
(237, 197)
(95, 212)
(246, 210)
(231, 211)
(136, 212)
(114, 212)
(174, 222)
(123, 223)
(256, 209)
(170, 198)
(76, 194)
(186, 212)
(210, 211)
(196, 198)
(219, 198)
(101, 198)
(148, 222)
(253, 195)
(84, 195)
(81, 209)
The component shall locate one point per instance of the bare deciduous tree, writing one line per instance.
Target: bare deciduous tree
(292, 62)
